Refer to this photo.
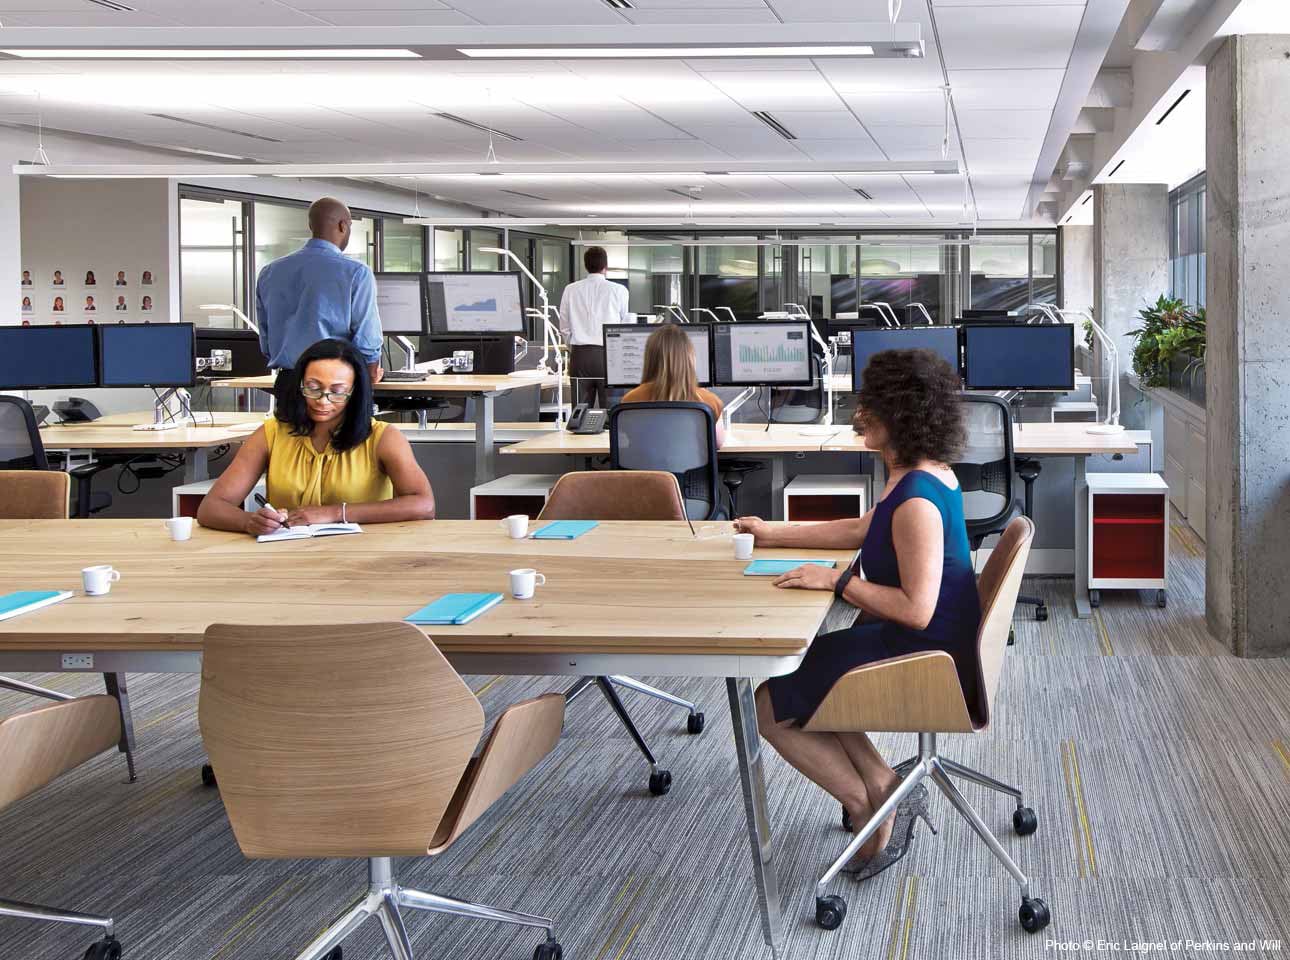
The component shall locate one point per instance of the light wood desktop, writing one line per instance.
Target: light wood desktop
(1031, 439)
(741, 438)
(627, 598)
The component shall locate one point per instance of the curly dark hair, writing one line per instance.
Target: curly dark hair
(915, 394)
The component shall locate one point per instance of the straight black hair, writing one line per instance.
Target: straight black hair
(356, 422)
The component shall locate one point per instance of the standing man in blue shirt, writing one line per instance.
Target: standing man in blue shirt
(317, 293)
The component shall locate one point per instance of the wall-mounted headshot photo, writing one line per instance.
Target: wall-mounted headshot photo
(58, 280)
(90, 306)
(89, 279)
(120, 279)
(26, 278)
(58, 305)
(147, 278)
(27, 305)
(121, 305)
(146, 307)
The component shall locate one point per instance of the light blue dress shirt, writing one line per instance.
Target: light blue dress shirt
(311, 295)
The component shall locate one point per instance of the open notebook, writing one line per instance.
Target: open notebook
(308, 530)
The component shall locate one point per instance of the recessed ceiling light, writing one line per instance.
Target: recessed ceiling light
(622, 53)
(211, 53)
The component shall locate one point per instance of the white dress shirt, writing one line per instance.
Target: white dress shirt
(587, 305)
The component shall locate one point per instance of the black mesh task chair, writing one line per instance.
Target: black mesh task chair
(680, 438)
(22, 449)
(986, 469)
(802, 404)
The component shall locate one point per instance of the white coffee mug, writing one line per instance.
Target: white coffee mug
(180, 528)
(98, 580)
(743, 546)
(516, 526)
(524, 582)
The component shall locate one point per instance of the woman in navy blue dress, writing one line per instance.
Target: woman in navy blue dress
(918, 590)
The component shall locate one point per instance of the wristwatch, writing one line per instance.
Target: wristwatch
(840, 587)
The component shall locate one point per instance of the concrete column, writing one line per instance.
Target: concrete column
(1077, 268)
(1247, 577)
(1130, 269)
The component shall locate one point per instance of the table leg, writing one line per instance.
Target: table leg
(748, 747)
(485, 452)
(1083, 609)
(115, 684)
(196, 468)
(777, 487)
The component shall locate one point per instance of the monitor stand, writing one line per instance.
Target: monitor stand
(160, 421)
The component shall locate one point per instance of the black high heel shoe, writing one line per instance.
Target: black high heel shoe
(908, 812)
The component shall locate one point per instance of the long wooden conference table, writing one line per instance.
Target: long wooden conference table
(625, 598)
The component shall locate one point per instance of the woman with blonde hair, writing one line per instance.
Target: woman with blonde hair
(670, 374)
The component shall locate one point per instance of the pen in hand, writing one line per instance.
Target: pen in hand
(265, 503)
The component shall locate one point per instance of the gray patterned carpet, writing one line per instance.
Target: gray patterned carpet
(1159, 767)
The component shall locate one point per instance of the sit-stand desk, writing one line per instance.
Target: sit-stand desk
(484, 389)
(597, 614)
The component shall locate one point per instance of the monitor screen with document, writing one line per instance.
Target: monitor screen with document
(625, 352)
(776, 353)
(474, 304)
(400, 300)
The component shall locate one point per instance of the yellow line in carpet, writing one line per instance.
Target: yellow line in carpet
(252, 912)
(1103, 637)
(1074, 810)
(909, 915)
(627, 943)
(1083, 810)
(622, 920)
(163, 718)
(893, 940)
(486, 687)
(1283, 752)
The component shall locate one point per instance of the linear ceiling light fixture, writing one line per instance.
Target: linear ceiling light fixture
(209, 53)
(643, 53)
(527, 196)
(1173, 107)
(213, 126)
(481, 127)
(1115, 169)
(113, 5)
(774, 124)
(620, 4)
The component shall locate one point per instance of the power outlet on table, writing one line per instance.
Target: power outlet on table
(78, 661)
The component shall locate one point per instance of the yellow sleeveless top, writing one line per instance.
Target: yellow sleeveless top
(300, 476)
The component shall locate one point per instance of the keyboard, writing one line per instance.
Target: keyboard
(404, 376)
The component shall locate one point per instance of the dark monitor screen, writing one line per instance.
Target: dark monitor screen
(778, 353)
(147, 355)
(474, 304)
(737, 293)
(1034, 356)
(985, 316)
(48, 357)
(400, 300)
(943, 341)
(625, 352)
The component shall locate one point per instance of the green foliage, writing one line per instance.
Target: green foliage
(1170, 328)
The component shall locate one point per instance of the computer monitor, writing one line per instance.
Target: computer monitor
(625, 352)
(474, 304)
(48, 357)
(147, 355)
(943, 341)
(985, 316)
(401, 302)
(1012, 356)
(776, 353)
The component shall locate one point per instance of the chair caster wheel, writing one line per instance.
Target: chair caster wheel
(333, 954)
(847, 825)
(694, 722)
(109, 948)
(1160, 599)
(1095, 598)
(1041, 612)
(1024, 821)
(208, 776)
(550, 950)
(830, 911)
(1034, 915)
(660, 782)
(1012, 637)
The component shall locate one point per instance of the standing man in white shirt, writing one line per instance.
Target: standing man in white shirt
(586, 306)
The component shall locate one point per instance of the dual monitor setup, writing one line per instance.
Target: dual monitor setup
(775, 353)
(450, 305)
(55, 357)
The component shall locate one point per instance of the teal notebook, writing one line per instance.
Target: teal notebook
(22, 601)
(565, 530)
(773, 568)
(455, 608)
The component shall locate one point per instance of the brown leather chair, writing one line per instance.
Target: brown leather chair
(921, 693)
(386, 772)
(37, 747)
(34, 495)
(624, 495)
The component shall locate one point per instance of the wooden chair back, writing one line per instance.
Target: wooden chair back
(39, 745)
(998, 586)
(615, 495)
(34, 495)
(341, 740)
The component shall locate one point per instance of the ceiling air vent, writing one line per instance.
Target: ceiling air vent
(774, 124)
(113, 5)
(214, 126)
(482, 128)
(684, 193)
(864, 194)
(526, 196)
(620, 4)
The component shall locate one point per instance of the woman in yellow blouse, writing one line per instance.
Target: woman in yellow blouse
(325, 458)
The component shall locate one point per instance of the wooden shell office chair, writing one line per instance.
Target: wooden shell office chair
(920, 693)
(624, 495)
(385, 772)
(39, 746)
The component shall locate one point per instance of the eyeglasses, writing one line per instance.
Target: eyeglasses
(318, 393)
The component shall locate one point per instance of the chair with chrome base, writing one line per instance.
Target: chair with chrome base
(921, 693)
(624, 495)
(38, 746)
(386, 772)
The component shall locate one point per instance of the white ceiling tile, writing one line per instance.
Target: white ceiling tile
(777, 90)
(395, 18)
(1020, 36)
(905, 141)
(821, 125)
(990, 157)
(541, 12)
(96, 17)
(681, 4)
(844, 151)
(748, 64)
(1006, 88)
(1004, 123)
(821, 11)
(376, 5)
(693, 15)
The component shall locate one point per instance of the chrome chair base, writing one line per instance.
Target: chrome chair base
(929, 765)
(384, 900)
(107, 947)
